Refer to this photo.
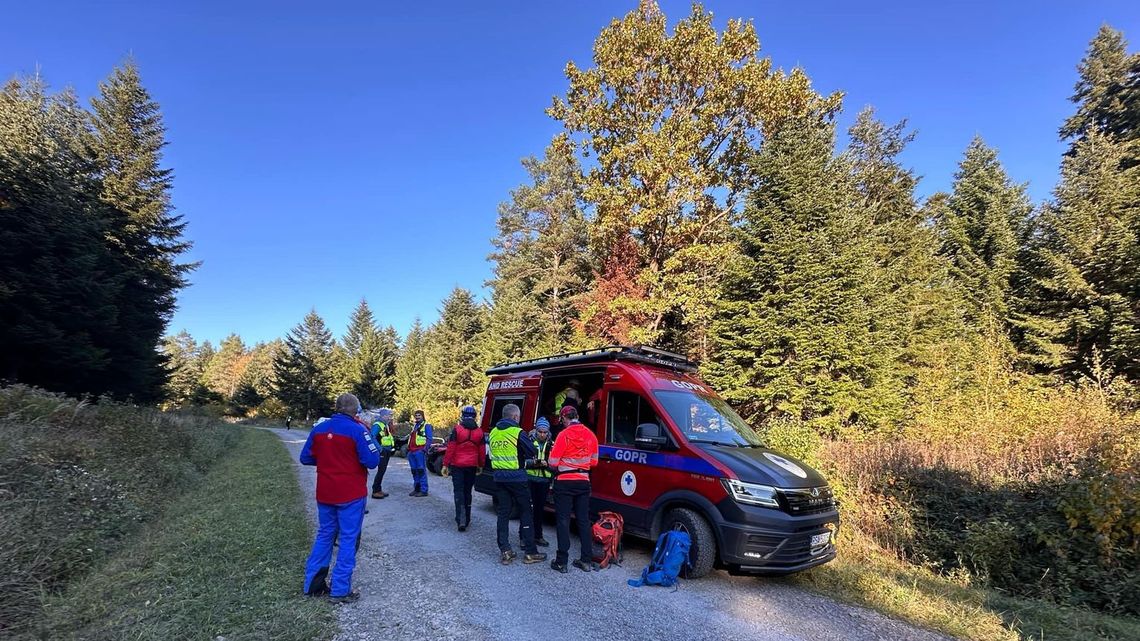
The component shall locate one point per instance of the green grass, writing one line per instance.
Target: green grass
(867, 575)
(225, 559)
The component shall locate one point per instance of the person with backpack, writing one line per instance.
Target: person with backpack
(510, 448)
(418, 441)
(538, 477)
(463, 460)
(574, 454)
(382, 434)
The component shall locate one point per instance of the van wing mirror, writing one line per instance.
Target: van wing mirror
(649, 437)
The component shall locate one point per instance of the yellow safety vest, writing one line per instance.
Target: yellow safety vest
(543, 448)
(504, 445)
(385, 434)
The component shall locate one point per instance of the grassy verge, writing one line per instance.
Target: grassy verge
(224, 560)
(867, 575)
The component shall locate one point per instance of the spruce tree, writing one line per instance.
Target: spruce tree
(1107, 95)
(61, 284)
(128, 142)
(303, 369)
(453, 370)
(797, 333)
(541, 258)
(980, 226)
(183, 379)
(411, 371)
(224, 371)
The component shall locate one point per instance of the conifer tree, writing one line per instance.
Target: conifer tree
(1107, 95)
(303, 369)
(980, 226)
(411, 371)
(797, 331)
(62, 284)
(453, 367)
(128, 142)
(541, 257)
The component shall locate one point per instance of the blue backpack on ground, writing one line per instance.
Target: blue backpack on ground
(670, 555)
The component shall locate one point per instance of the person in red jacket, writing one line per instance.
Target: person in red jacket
(466, 453)
(574, 454)
(343, 451)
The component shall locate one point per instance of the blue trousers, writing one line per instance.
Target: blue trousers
(340, 523)
(418, 462)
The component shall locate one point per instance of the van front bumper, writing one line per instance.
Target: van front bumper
(773, 542)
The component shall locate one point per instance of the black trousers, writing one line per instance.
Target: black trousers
(538, 491)
(378, 480)
(573, 497)
(508, 495)
(462, 480)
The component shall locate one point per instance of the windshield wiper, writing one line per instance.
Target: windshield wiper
(711, 442)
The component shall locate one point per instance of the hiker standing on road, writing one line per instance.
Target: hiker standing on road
(288, 422)
(466, 453)
(382, 434)
(538, 473)
(510, 448)
(418, 441)
(343, 452)
(575, 453)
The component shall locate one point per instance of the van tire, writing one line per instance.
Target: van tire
(702, 552)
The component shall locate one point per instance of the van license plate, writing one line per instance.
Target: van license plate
(819, 540)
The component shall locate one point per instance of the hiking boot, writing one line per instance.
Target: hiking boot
(558, 567)
(414, 493)
(378, 495)
(507, 557)
(462, 528)
(352, 597)
(585, 567)
(319, 585)
(537, 557)
(542, 542)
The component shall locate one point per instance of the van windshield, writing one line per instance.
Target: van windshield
(707, 419)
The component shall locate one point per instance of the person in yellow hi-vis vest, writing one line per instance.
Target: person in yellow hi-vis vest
(510, 448)
(382, 434)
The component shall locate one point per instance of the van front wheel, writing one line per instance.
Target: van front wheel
(702, 552)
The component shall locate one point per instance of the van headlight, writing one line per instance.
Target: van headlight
(751, 493)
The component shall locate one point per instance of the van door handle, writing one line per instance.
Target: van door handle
(606, 457)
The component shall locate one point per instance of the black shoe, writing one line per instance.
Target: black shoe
(462, 528)
(558, 567)
(537, 557)
(414, 493)
(542, 542)
(585, 567)
(507, 557)
(352, 597)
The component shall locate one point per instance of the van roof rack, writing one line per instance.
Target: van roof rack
(635, 353)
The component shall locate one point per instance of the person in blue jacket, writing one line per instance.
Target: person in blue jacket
(418, 441)
(343, 451)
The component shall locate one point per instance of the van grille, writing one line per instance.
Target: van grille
(811, 500)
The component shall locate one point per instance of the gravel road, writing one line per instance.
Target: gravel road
(422, 579)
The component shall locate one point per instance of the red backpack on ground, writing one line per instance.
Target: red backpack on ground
(607, 539)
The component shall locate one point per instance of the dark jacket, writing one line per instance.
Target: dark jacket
(466, 446)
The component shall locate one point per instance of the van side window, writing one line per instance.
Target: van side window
(502, 401)
(627, 411)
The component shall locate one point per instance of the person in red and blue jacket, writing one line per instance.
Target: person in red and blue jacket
(343, 451)
(418, 441)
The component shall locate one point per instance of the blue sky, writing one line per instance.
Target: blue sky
(328, 151)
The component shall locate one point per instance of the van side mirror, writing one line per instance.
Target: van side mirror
(649, 437)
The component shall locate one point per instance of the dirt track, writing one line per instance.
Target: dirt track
(421, 579)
